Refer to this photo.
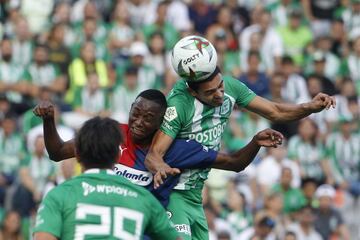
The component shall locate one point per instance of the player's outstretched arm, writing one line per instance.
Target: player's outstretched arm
(58, 149)
(154, 161)
(239, 160)
(282, 112)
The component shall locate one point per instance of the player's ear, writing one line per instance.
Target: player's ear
(192, 92)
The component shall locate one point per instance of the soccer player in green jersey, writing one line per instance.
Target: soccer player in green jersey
(98, 204)
(199, 109)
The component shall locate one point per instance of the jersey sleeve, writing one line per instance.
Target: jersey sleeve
(48, 217)
(188, 154)
(160, 226)
(239, 91)
(175, 115)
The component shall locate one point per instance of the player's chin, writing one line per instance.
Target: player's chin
(217, 103)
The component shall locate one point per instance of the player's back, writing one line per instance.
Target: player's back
(99, 205)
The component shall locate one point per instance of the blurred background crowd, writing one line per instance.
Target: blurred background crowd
(92, 57)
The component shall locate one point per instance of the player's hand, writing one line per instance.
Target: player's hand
(269, 138)
(322, 101)
(163, 170)
(45, 110)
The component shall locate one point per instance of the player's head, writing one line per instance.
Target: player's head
(97, 143)
(146, 115)
(210, 91)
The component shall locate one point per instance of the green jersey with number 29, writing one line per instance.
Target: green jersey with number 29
(186, 117)
(101, 205)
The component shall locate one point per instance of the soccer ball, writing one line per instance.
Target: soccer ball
(194, 58)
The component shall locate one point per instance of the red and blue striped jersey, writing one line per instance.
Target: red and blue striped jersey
(182, 154)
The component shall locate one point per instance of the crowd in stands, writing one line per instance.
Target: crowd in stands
(92, 57)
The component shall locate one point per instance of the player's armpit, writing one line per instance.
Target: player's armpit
(43, 236)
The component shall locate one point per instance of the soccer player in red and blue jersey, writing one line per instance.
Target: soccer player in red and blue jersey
(145, 118)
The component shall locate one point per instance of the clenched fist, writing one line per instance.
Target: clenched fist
(45, 110)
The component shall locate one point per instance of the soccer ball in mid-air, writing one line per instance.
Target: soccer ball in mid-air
(194, 58)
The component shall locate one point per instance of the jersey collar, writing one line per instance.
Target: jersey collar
(98, 170)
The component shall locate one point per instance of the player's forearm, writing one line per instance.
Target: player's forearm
(291, 112)
(58, 149)
(239, 160)
(160, 144)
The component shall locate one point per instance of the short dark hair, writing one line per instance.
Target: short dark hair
(287, 60)
(196, 85)
(308, 180)
(154, 96)
(97, 143)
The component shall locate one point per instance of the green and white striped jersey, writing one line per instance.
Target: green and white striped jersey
(187, 118)
(344, 156)
(308, 155)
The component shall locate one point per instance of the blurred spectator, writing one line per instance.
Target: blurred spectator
(124, 95)
(224, 24)
(263, 229)
(270, 167)
(293, 197)
(36, 169)
(294, 89)
(228, 60)
(271, 47)
(351, 65)
(295, 36)
(161, 25)
(253, 78)
(37, 14)
(351, 16)
(274, 208)
(202, 14)
(276, 83)
(22, 43)
(322, 61)
(239, 217)
(89, 101)
(240, 16)
(12, 149)
(338, 35)
(178, 15)
(281, 9)
(142, 12)
(11, 74)
(158, 57)
(146, 73)
(329, 222)
(121, 34)
(11, 227)
(93, 31)
(344, 154)
(242, 128)
(320, 13)
(309, 153)
(308, 187)
(41, 73)
(83, 66)
(304, 227)
(58, 52)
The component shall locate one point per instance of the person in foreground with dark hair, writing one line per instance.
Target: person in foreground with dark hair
(98, 204)
(146, 116)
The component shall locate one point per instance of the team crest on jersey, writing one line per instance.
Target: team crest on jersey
(170, 114)
(169, 214)
(225, 107)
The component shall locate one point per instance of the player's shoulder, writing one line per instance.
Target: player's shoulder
(179, 94)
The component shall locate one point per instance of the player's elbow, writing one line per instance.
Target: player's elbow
(55, 157)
